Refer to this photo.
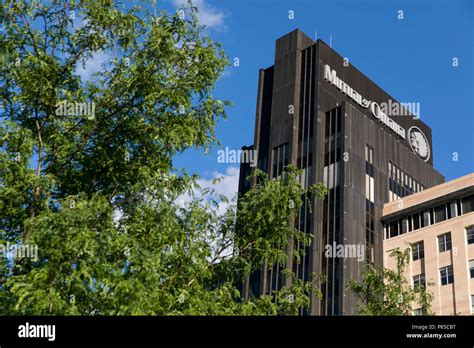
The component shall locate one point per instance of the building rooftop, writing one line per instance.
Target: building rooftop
(429, 197)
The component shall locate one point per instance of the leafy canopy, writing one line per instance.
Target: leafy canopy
(95, 188)
(387, 291)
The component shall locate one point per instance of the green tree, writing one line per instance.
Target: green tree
(97, 191)
(387, 292)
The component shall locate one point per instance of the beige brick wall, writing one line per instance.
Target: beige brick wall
(448, 299)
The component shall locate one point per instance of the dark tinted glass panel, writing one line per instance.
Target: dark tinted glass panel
(458, 205)
(416, 221)
(444, 242)
(440, 213)
(470, 235)
(425, 221)
(404, 228)
(467, 204)
(418, 251)
(394, 228)
(452, 210)
(446, 275)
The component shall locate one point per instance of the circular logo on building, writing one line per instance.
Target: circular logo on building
(419, 143)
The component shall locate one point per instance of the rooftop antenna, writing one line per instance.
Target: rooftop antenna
(330, 41)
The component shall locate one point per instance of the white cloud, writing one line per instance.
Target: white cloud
(92, 65)
(227, 186)
(207, 15)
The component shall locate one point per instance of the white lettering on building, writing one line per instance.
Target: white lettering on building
(331, 76)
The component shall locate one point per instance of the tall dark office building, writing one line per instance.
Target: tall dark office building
(318, 112)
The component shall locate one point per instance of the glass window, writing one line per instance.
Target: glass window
(458, 204)
(471, 268)
(416, 221)
(275, 161)
(287, 154)
(467, 204)
(470, 234)
(404, 225)
(280, 158)
(444, 242)
(452, 210)
(440, 213)
(369, 236)
(281, 149)
(400, 226)
(425, 221)
(419, 280)
(418, 251)
(369, 256)
(394, 228)
(446, 275)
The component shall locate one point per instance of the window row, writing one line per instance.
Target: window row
(446, 276)
(444, 244)
(418, 248)
(401, 184)
(429, 216)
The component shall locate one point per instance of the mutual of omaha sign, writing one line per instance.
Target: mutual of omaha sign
(331, 76)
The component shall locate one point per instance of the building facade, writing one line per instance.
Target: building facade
(438, 225)
(318, 112)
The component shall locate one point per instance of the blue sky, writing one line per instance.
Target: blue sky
(410, 58)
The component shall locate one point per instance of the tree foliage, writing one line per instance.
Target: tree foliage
(98, 193)
(385, 291)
